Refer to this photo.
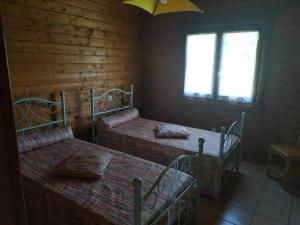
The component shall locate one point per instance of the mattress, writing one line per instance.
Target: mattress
(143, 129)
(53, 200)
(137, 138)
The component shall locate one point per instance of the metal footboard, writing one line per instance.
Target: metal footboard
(230, 153)
(166, 182)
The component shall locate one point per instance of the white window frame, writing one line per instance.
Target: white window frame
(260, 60)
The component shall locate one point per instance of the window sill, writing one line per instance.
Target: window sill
(222, 104)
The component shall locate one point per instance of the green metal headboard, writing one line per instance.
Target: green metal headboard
(113, 98)
(28, 113)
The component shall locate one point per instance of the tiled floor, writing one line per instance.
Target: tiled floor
(252, 198)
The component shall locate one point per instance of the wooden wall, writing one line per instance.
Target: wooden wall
(71, 45)
(74, 45)
(277, 122)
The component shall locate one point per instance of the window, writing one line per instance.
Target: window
(222, 65)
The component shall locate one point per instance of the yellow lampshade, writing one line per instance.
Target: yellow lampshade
(156, 7)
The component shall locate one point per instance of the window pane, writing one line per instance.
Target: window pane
(237, 68)
(199, 65)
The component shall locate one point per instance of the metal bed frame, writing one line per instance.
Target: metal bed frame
(231, 139)
(227, 163)
(28, 113)
(116, 100)
(176, 167)
(28, 109)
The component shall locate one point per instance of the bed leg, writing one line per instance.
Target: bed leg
(222, 144)
(63, 107)
(242, 133)
(199, 163)
(237, 160)
(218, 179)
(218, 183)
(131, 95)
(93, 133)
(137, 184)
(92, 95)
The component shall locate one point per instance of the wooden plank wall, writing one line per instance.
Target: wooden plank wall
(277, 122)
(71, 45)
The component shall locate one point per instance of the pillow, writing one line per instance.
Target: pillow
(118, 118)
(45, 138)
(87, 165)
(28, 143)
(171, 131)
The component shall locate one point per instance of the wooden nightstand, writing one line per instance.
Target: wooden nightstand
(290, 154)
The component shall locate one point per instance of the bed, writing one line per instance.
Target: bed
(131, 191)
(221, 154)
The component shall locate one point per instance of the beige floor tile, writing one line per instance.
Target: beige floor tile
(278, 196)
(274, 211)
(273, 183)
(223, 222)
(296, 204)
(209, 211)
(237, 215)
(253, 198)
(249, 186)
(295, 218)
(256, 171)
(262, 220)
(243, 201)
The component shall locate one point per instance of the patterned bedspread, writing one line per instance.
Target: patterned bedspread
(137, 138)
(53, 200)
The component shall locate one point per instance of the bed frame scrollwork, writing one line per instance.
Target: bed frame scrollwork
(230, 153)
(186, 201)
(230, 149)
(36, 113)
(31, 114)
(113, 100)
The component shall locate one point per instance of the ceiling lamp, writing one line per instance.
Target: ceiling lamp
(156, 7)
